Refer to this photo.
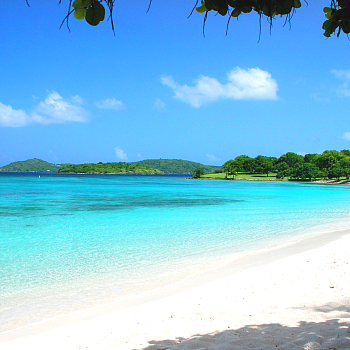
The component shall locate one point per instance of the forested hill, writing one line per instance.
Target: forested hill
(176, 166)
(150, 166)
(31, 165)
(108, 168)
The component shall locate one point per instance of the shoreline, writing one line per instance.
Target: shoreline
(77, 322)
(322, 182)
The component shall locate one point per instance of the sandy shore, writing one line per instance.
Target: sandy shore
(294, 297)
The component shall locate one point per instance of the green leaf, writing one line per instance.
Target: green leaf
(78, 4)
(223, 10)
(80, 7)
(95, 14)
(345, 26)
(284, 8)
(79, 13)
(326, 24)
(246, 8)
(297, 4)
(328, 12)
(236, 13)
(201, 9)
(210, 4)
(329, 27)
(268, 11)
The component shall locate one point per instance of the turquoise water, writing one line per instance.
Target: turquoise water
(72, 242)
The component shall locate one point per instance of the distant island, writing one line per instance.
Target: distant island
(109, 168)
(150, 167)
(177, 166)
(31, 165)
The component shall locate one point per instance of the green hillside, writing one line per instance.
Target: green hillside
(108, 168)
(31, 165)
(176, 166)
(149, 166)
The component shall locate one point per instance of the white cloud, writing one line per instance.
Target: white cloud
(12, 118)
(121, 155)
(77, 99)
(252, 83)
(158, 104)
(212, 158)
(53, 110)
(344, 89)
(341, 73)
(110, 103)
(56, 109)
(346, 136)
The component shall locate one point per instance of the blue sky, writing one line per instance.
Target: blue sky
(159, 89)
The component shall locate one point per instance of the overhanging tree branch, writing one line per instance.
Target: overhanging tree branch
(337, 14)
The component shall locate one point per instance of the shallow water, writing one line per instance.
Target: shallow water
(69, 242)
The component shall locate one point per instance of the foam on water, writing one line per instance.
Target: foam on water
(72, 242)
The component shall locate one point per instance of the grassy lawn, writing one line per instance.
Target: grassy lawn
(271, 176)
(245, 176)
(216, 176)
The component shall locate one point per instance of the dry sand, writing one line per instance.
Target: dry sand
(296, 297)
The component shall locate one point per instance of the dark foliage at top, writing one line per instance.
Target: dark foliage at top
(337, 14)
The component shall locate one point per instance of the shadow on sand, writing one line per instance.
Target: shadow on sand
(328, 335)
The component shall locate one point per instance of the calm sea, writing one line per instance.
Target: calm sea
(69, 242)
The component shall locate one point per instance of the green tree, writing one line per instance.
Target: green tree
(197, 173)
(244, 163)
(263, 165)
(291, 159)
(283, 170)
(336, 171)
(325, 160)
(230, 167)
(344, 162)
(311, 158)
(345, 152)
(274, 163)
(308, 171)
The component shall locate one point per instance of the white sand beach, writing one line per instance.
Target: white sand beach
(294, 297)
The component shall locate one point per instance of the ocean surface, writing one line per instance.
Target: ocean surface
(69, 242)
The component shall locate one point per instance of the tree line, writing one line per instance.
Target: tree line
(328, 165)
(108, 168)
(176, 166)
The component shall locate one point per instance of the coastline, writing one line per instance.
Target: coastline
(322, 182)
(230, 293)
